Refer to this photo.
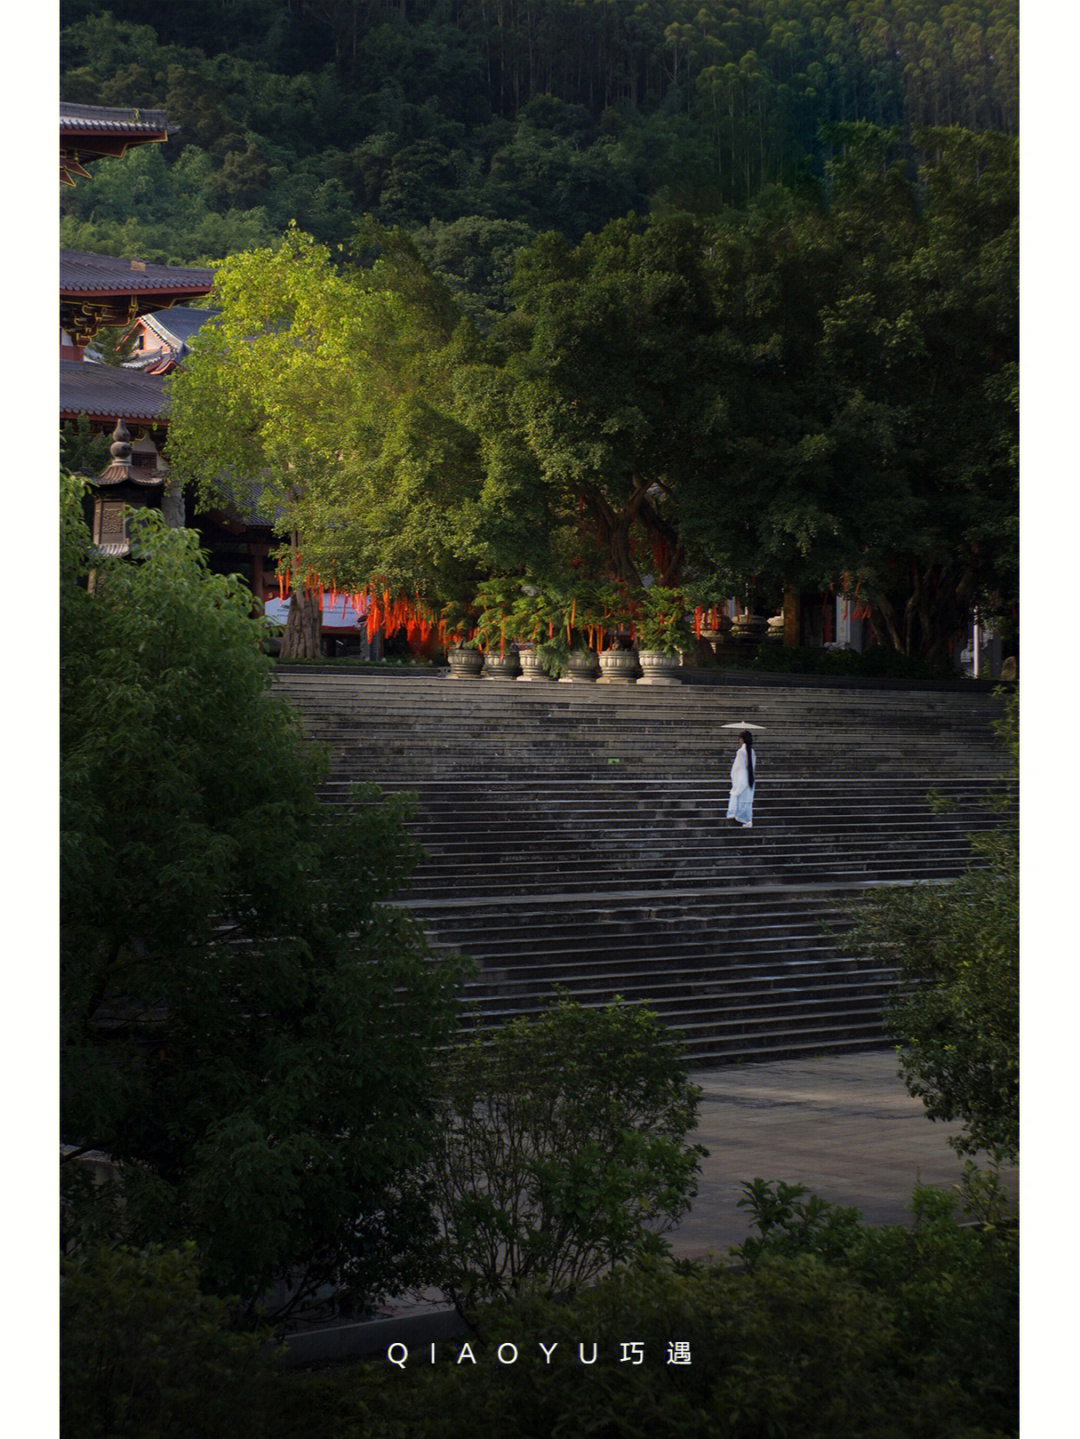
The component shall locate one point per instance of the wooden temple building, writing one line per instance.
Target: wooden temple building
(130, 402)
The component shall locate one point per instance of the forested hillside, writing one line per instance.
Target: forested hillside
(771, 345)
(477, 124)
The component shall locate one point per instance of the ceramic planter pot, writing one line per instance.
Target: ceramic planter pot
(464, 664)
(618, 666)
(749, 629)
(532, 667)
(503, 666)
(659, 668)
(582, 667)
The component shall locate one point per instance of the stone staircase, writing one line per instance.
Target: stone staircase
(575, 837)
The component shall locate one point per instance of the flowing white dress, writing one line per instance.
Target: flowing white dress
(741, 803)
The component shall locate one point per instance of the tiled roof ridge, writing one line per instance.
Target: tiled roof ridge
(109, 390)
(110, 115)
(115, 268)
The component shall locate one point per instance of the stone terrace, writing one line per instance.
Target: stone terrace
(575, 837)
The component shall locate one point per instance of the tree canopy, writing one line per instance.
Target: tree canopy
(554, 114)
(816, 391)
(248, 1033)
(956, 1014)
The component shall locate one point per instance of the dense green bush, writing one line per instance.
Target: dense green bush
(146, 1354)
(950, 1279)
(834, 1330)
(831, 1330)
(956, 1011)
(562, 1151)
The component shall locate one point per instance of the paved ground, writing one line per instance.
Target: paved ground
(843, 1125)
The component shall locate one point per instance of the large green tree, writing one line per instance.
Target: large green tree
(326, 394)
(605, 379)
(869, 373)
(248, 1032)
(308, 387)
(956, 1013)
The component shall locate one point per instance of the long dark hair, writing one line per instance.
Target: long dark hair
(748, 740)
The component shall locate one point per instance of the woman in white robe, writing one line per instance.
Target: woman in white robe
(741, 803)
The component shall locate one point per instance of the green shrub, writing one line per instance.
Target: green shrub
(792, 1348)
(563, 1150)
(951, 1280)
(146, 1354)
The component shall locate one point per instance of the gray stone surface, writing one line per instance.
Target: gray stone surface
(843, 1125)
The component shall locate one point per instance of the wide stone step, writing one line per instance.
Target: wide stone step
(575, 839)
(812, 980)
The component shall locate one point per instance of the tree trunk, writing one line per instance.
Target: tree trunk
(791, 619)
(302, 639)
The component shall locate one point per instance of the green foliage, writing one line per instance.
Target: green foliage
(950, 1280)
(145, 1353)
(956, 1015)
(475, 256)
(550, 113)
(114, 344)
(843, 348)
(326, 393)
(660, 623)
(834, 1328)
(607, 386)
(562, 1151)
(83, 452)
(247, 1031)
(791, 1221)
(892, 1333)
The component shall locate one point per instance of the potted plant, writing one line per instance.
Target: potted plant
(532, 621)
(618, 657)
(496, 600)
(457, 629)
(583, 626)
(661, 634)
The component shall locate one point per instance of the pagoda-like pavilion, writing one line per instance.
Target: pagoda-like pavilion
(128, 401)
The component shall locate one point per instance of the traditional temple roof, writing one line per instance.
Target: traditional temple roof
(82, 273)
(166, 339)
(89, 132)
(97, 290)
(108, 393)
(179, 326)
